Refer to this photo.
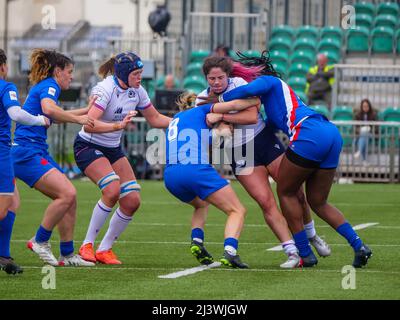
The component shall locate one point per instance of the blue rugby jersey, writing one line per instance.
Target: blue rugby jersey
(188, 137)
(36, 136)
(284, 109)
(8, 99)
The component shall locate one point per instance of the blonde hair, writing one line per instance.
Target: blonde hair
(43, 63)
(107, 68)
(186, 101)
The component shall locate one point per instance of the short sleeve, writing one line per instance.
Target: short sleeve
(50, 92)
(144, 99)
(10, 97)
(103, 96)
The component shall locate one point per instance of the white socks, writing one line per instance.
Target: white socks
(310, 229)
(99, 216)
(118, 224)
(289, 247)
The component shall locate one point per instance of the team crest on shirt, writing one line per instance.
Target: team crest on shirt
(52, 91)
(131, 94)
(13, 95)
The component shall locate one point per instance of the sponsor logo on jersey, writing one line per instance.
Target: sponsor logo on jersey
(131, 94)
(13, 95)
(52, 91)
(119, 110)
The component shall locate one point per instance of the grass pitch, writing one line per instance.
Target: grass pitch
(157, 243)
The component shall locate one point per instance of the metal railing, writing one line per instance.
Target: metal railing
(378, 83)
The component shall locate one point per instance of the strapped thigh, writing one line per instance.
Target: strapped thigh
(128, 187)
(106, 180)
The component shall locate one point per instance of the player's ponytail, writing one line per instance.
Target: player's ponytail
(43, 63)
(263, 63)
(186, 101)
(107, 68)
(3, 57)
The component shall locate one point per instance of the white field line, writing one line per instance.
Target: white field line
(357, 227)
(183, 243)
(107, 268)
(190, 271)
(175, 203)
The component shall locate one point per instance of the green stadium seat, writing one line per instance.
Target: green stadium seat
(195, 84)
(365, 8)
(342, 113)
(298, 70)
(332, 32)
(194, 69)
(279, 57)
(320, 108)
(332, 55)
(390, 133)
(305, 44)
(303, 57)
(364, 20)
(385, 20)
(397, 37)
(297, 84)
(252, 53)
(309, 32)
(281, 68)
(391, 8)
(329, 44)
(358, 39)
(199, 55)
(391, 114)
(282, 31)
(302, 96)
(382, 40)
(280, 44)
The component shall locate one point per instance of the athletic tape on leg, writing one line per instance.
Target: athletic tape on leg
(128, 187)
(105, 181)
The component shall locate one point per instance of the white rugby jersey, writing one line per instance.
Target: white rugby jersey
(116, 103)
(254, 129)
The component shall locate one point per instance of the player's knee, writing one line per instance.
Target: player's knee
(69, 195)
(316, 203)
(111, 193)
(133, 203)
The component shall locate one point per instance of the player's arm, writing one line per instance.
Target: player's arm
(19, 115)
(53, 111)
(103, 127)
(236, 105)
(154, 118)
(246, 116)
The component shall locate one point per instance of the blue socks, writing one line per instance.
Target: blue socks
(43, 235)
(302, 243)
(347, 231)
(231, 245)
(6, 227)
(66, 248)
(198, 234)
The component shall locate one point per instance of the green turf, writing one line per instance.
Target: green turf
(157, 243)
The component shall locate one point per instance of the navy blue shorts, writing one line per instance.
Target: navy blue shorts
(32, 164)
(317, 144)
(267, 147)
(85, 153)
(7, 181)
(186, 182)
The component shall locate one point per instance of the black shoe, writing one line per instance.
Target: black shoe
(200, 253)
(361, 256)
(9, 266)
(233, 261)
(309, 261)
